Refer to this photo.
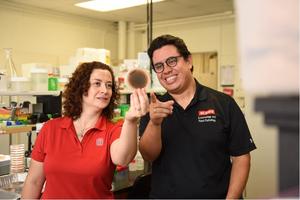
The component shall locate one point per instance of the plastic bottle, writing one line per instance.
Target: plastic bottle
(52, 82)
(139, 161)
(53, 79)
(39, 77)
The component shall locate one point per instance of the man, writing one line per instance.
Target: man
(196, 138)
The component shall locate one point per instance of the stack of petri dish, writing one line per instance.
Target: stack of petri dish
(17, 158)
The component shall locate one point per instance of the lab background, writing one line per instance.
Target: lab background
(41, 33)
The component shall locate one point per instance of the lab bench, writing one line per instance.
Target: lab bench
(11, 185)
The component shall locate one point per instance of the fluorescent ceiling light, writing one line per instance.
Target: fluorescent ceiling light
(109, 5)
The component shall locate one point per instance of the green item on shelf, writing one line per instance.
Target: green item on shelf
(124, 108)
(52, 83)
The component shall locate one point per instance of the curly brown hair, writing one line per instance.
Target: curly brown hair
(79, 84)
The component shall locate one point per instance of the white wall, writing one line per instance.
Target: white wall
(201, 34)
(218, 33)
(42, 36)
(263, 180)
(269, 42)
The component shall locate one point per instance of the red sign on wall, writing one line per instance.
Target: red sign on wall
(228, 91)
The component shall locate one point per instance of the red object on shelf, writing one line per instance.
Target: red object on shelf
(228, 91)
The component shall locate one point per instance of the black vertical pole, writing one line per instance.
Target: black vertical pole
(148, 22)
(149, 39)
(151, 22)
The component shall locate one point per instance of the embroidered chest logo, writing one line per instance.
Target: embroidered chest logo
(99, 142)
(208, 115)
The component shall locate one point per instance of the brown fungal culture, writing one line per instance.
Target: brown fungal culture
(137, 78)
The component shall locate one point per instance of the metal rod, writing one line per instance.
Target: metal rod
(148, 21)
(151, 22)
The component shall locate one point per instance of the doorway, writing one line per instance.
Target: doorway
(206, 68)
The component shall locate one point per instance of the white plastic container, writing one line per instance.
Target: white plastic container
(20, 84)
(28, 67)
(39, 79)
(62, 82)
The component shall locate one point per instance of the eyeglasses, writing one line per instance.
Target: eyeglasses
(171, 62)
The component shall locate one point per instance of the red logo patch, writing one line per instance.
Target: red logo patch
(206, 112)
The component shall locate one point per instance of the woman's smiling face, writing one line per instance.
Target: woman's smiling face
(100, 91)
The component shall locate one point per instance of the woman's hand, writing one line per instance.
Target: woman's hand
(139, 105)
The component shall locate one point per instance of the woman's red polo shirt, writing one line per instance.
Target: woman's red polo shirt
(75, 169)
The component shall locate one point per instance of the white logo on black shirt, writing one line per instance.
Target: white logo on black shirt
(208, 115)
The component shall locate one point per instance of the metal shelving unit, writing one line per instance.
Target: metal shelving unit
(29, 93)
(155, 90)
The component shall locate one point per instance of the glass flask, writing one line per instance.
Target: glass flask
(9, 66)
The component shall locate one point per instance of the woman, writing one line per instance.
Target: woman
(76, 155)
